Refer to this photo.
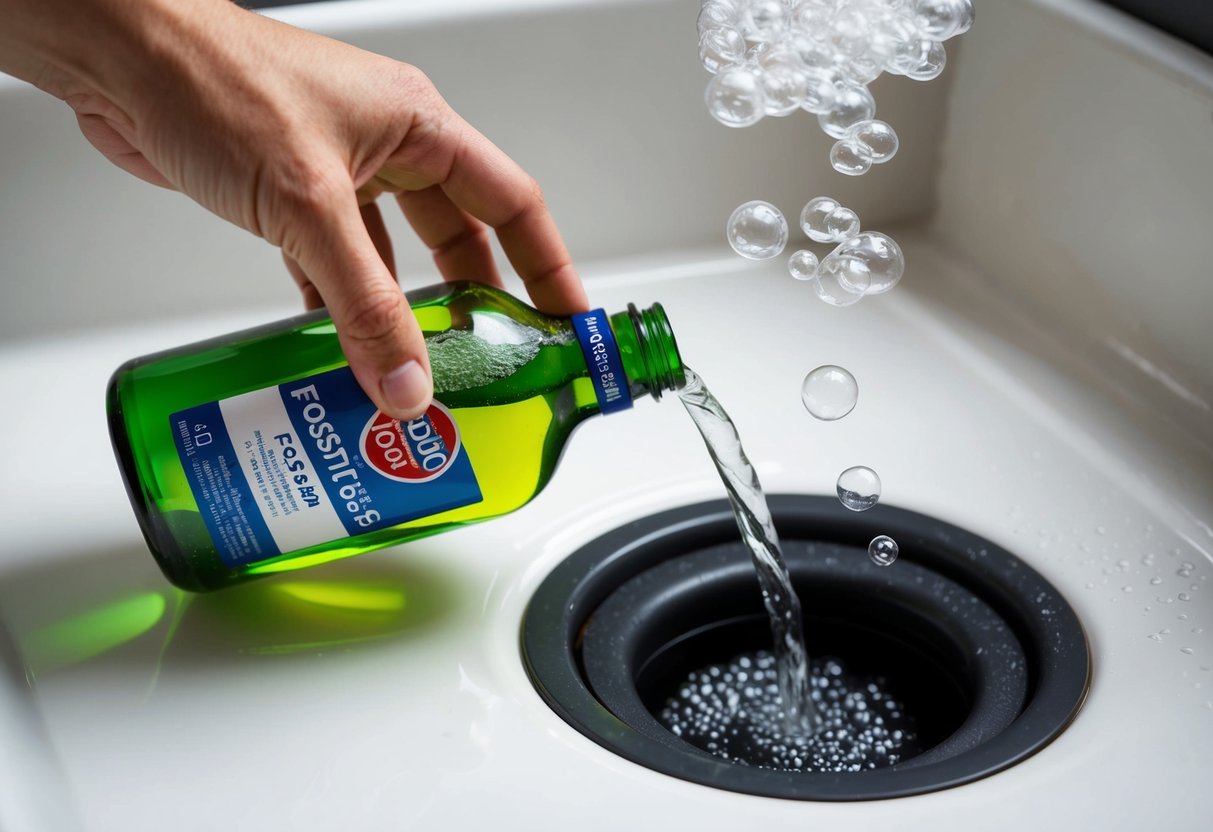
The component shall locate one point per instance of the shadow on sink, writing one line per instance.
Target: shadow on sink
(112, 608)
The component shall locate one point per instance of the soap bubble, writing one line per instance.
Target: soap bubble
(757, 230)
(863, 70)
(942, 19)
(813, 19)
(829, 392)
(850, 31)
(763, 19)
(813, 217)
(852, 104)
(825, 220)
(849, 158)
(756, 55)
(784, 88)
(882, 258)
(734, 97)
(893, 32)
(876, 140)
(721, 47)
(803, 264)
(819, 91)
(841, 224)
(811, 52)
(858, 488)
(714, 14)
(964, 20)
(927, 63)
(841, 280)
(883, 550)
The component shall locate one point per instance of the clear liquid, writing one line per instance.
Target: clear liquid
(758, 532)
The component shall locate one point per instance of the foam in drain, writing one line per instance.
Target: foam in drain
(734, 711)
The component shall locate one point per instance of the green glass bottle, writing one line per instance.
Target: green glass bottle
(258, 452)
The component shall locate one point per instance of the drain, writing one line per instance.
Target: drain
(986, 657)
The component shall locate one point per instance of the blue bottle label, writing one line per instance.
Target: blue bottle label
(602, 357)
(312, 461)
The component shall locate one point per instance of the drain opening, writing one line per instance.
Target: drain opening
(986, 657)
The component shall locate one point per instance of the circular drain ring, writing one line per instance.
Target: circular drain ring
(1057, 655)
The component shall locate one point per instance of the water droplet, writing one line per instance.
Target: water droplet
(1126, 589)
(883, 550)
(829, 392)
(1156, 580)
(1187, 650)
(1183, 596)
(802, 265)
(757, 230)
(858, 488)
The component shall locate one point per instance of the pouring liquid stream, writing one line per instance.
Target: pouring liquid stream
(759, 535)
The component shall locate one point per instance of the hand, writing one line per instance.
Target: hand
(292, 136)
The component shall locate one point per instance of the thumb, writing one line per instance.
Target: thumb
(376, 328)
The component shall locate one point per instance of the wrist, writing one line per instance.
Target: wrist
(114, 47)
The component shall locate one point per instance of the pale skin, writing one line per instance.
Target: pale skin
(293, 137)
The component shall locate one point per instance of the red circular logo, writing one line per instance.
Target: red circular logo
(416, 451)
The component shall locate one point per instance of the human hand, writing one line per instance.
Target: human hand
(292, 136)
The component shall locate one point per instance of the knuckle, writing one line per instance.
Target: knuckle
(537, 197)
(375, 315)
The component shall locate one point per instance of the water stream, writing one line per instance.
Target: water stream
(758, 532)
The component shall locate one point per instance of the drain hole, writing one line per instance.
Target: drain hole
(943, 655)
(953, 630)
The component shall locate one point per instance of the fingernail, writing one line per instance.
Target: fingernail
(406, 390)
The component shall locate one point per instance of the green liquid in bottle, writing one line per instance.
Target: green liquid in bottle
(516, 383)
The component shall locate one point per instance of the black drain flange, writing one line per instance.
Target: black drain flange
(985, 653)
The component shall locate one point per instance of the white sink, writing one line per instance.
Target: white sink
(1020, 382)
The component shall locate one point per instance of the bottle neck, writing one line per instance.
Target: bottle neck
(648, 351)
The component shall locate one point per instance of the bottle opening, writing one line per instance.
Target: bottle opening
(649, 350)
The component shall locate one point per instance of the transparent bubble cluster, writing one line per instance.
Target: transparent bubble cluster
(826, 220)
(864, 262)
(774, 57)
